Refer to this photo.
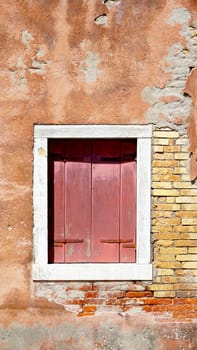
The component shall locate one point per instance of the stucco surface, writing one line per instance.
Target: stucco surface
(80, 62)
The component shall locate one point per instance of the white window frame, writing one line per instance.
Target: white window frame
(142, 269)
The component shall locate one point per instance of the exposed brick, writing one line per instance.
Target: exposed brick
(158, 149)
(91, 294)
(158, 301)
(186, 199)
(188, 192)
(162, 171)
(161, 141)
(170, 235)
(167, 221)
(166, 206)
(193, 250)
(187, 257)
(186, 286)
(168, 264)
(81, 314)
(189, 221)
(190, 206)
(166, 134)
(164, 156)
(165, 163)
(186, 243)
(169, 279)
(172, 149)
(163, 193)
(89, 308)
(165, 272)
(181, 155)
(164, 243)
(189, 265)
(160, 184)
(161, 287)
(164, 294)
(180, 170)
(138, 294)
(173, 250)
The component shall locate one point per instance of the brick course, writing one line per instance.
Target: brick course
(174, 245)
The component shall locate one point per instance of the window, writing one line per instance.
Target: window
(92, 202)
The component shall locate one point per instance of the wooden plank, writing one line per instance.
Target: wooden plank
(56, 204)
(128, 201)
(105, 200)
(77, 201)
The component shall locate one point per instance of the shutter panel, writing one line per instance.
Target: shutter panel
(92, 201)
(128, 202)
(56, 199)
(105, 201)
(77, 201)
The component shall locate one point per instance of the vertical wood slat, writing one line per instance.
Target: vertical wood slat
(128, 200)
(77, 200)
(105, 200)
(56, 208)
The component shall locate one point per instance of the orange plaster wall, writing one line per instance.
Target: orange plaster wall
(60, 66)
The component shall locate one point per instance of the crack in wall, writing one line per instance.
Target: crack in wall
(170, 106)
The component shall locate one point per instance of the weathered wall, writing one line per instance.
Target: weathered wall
(114, 62)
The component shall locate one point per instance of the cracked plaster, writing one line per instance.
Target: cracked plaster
(170, 106)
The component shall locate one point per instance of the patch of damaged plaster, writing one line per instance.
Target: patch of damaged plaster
(111, 3)
(59, 294)
(101, 19)
(26, 38)
(38, 67)
(170, 106)
(90, 67)
(18, 70)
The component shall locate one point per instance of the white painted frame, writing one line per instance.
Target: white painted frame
(142, 269)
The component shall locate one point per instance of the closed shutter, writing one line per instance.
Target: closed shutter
(56, 203)
(77, 201)
(127, 202)
(92, 201)
(105, 201)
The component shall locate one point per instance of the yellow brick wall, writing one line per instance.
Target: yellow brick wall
(174, 217)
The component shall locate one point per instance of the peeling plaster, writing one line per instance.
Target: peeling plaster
(101, 19)
(37, 67)
(26, 38)
(170, 106)
(111, 3)
(89, 67)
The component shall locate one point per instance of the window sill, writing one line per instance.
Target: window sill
(92, 272)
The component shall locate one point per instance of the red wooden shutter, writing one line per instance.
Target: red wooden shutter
(105, 201)
(128, 202)
(92, 201)
(77, 201)
(56, 212)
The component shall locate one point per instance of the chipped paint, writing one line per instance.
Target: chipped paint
(41, 152)
(88, 246)
(90, 67)
(26, 38)
(101, 20)
(111, 3)
(38, 67)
